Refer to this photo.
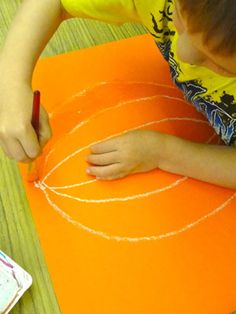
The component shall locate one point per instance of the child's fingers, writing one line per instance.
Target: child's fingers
(103, 159)
(14, 150)
(30, 144)
(45, 131)
(19, 140)
(107, 172)
(25, 158)
(104, 147)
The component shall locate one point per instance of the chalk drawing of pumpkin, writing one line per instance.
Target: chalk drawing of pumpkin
(143, 207)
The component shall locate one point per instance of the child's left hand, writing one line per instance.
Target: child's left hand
(133, 152)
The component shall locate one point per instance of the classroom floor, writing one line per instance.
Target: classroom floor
(18, 236)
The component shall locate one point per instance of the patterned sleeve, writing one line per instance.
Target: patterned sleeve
(111, 11)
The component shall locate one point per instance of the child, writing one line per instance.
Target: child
(197, 39)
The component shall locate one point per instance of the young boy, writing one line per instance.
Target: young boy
(197, 39)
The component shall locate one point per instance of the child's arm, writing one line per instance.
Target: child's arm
(210, 163)
(30, 31)
(141, 151)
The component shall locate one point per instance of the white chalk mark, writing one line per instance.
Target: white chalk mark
(70, 186)
(118, 199)
(83, 92)
(121, 104)
(44, 187)
(49, 154)
(143, 238)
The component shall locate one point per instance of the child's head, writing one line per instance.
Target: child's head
(207, 33)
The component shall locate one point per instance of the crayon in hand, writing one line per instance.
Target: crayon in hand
(32, 169)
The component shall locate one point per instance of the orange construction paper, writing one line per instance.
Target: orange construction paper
(149, 243)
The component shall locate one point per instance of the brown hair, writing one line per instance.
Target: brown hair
(215, 19)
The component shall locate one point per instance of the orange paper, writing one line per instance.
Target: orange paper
(148, 243)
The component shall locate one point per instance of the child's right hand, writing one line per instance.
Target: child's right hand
(17, 136)
(33, 26)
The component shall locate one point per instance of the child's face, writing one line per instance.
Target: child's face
(191, 49)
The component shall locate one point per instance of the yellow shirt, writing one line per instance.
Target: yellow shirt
(211, 93)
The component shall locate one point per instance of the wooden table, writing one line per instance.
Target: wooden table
(18, 236)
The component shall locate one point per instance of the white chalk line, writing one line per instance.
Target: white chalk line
(119, 105)
(84, 91)
(114, 199)
(137, 239)
(43, 186)
(71, 186)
